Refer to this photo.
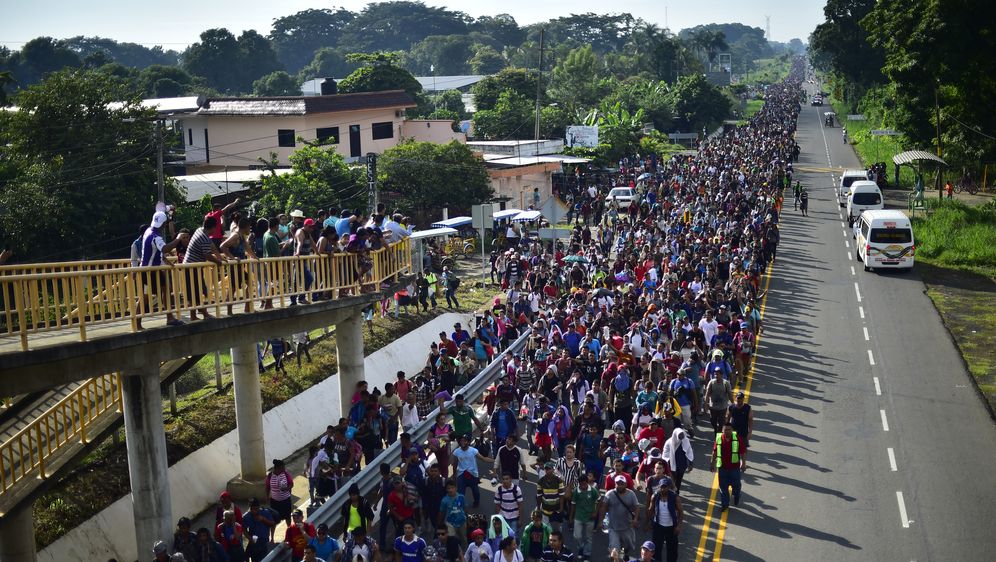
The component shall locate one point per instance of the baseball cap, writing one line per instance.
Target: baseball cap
(309, 222)
(744, 325)
(159, 219)
(159, 548)
(619, 479)
(476, 533)
(740, 394)
(649, 545)
(550, 464)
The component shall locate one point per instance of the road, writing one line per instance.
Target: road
(870, 441)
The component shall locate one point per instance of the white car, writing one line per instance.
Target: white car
(623, 196)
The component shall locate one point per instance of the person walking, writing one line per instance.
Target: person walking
(804, 202)
(741, 417)
(726, 459)
(623, 509)
(584, 506)
(678, 455)
(450, 283)
(664, 521)
(719, 396)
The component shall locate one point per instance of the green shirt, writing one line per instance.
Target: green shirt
(271, 245)
(585, 502)
(462, 419)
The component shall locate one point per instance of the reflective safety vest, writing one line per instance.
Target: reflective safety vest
(734, 450)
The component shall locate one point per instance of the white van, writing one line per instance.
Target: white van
(863, 196)
(844, 187)
(884, 239)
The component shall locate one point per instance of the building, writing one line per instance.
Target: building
(518, 167)
(238, 133)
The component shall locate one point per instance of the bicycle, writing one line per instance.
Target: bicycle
(967, 185)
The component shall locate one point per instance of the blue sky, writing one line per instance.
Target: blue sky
(177, 23)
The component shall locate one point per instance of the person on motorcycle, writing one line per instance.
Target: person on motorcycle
(843, 134)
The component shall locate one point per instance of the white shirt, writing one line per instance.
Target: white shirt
(409, 416)
(477, 553)
(709, 329)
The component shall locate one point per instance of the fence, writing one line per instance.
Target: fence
(369, 477)
(72, 296)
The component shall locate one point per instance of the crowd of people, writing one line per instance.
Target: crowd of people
(641, 328)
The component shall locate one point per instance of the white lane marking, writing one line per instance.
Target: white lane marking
(857, 291)
(885, 421)
(861, 311)
(878, 387)
(847, 243)
(865, 329)
(871, 358)
(892, 460)
(902, 510)
(852, 270)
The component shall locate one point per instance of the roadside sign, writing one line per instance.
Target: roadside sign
(481, 216)
(553, 233)
(883, 132)
(856, 117)
(553, 210)
(582, 135)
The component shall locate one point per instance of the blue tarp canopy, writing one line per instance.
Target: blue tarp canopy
(506, 214)
(526, 216)
(455, 222)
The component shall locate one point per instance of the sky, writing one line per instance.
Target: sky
(174, 24)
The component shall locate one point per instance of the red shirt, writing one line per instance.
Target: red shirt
(656, 436)
(297, 538)
(402, 511)
(610, 480)
(726, 452)
(218, 232)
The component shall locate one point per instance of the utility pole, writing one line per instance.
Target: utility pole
(159, 161)
(539, 87)
(937, 123)
(372, 199)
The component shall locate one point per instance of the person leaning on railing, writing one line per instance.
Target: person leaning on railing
(153, 249)
(200, 249)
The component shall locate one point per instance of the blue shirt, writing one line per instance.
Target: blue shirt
(573, 342)
(684, 398)
(410, 551)
(333, 222)
(342, 227)
(466, 460)
(454, 509)
(327, 549)
(257, 528)
(152, 243)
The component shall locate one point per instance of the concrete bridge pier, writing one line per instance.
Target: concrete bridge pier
(349, 355)
(249, 420)
(17, 536)
(148, 468)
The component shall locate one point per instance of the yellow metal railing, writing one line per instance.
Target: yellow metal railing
(77, 298)
(68, 421)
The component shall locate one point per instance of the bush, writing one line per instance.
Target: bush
(958, 235)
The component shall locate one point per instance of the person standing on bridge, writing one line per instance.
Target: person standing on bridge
(728, 461)
(154, 247)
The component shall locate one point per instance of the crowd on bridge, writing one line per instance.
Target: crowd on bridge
(641, 330)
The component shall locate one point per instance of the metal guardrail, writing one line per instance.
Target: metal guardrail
(76, 298)
(369, 477)
(64, 423)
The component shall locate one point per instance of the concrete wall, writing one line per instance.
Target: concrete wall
(518, 183)
(197, 480)
(439, 131)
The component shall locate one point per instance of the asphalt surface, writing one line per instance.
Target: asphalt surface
(846, 420)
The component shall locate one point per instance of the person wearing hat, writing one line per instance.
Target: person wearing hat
(683, 391)
(229, 535)
(303, 246)
(184, 539)
(298, 534)
(623, 510)
(741, 417)
(154, 248)
(160, 552)
(478, 550)
(550, 495)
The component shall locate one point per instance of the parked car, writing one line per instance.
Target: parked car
(623, 196)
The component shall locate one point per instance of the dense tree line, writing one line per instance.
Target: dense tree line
(893, 59)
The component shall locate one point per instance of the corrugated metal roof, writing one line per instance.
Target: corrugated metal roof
(301, 105)
(911, 156)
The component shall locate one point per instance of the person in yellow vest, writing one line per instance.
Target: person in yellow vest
(430, 276)
(726, 458)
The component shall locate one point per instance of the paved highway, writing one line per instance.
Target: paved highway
(870, 441)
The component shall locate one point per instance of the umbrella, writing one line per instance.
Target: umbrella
(643, 176)
(603, 292)
(576, 259)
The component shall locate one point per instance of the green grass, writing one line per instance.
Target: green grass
(871, 148)
(960, 236)
(769, 71)
(753, 106)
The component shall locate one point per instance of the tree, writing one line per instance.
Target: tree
(38, 58)
(512, 117)
(618, 129)
(215, 58)
(277, 83)
(427, 175)
(396, 26)
(129, 54)
(256, 59)
(76, 169)
(502, 27)
(380, 72)
(696, 103)
(577, 80)
(486, 60)
(329, 62)
(844, 43)
(298, 37)
(652, 96)
(7, 82)
(161, 81)
(448, 54)
(320, 179)
(518, 80)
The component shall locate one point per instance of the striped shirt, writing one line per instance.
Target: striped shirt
(280, 485)
(569, 473)
(199, 248)
(507, 501)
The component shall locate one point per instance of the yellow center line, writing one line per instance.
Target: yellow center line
(707, 522)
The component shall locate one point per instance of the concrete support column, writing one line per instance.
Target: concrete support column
(17, 537)
(249, 419)
(349, 354)
(147, 463)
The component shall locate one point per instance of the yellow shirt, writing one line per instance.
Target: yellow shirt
(354, 517)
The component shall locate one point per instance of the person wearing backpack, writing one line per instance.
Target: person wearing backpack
(451, 283)
(718, 395)
(664, 517)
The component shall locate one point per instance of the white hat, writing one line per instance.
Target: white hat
(159, 219)
(297, 214)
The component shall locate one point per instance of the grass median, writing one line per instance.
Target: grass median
(204, 415)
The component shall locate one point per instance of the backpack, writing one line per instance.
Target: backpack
(454, 282)
(621, 381)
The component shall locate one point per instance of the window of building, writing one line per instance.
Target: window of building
(190, 137)
(207, 147)
(328, 134)
(383, 130)
(285, 137)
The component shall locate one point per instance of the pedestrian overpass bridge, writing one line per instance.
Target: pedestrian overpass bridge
(85, 346)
